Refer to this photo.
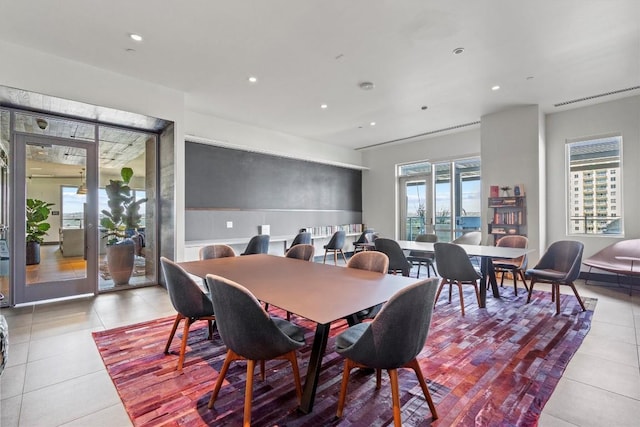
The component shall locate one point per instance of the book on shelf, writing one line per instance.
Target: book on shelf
(494, 191)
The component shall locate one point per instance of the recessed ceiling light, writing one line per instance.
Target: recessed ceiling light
(372, 123)
(366, 85)
(252, 79)
(136, 37)
(424, 107)
(324, 106)
(496, 87)
(458, 50)
(529, 77)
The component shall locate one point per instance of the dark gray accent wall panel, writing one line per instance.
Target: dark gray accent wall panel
(224, 178)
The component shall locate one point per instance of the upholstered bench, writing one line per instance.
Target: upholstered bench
(621, 258)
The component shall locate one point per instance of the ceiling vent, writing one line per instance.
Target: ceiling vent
(573, 101)
(421, 135)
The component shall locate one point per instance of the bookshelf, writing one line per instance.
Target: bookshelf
(509, 216)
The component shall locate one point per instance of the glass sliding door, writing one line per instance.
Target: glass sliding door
(444, 205)
(416, 211)
(467, 178)
(442, 198)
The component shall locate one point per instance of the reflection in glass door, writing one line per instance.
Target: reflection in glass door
(416, 209)
(443, 201)
(52, 256)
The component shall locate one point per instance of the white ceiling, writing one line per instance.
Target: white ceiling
(306, 53)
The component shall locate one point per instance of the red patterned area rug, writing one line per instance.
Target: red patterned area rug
(493, 367)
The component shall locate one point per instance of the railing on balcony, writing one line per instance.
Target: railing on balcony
(416, 225)
(599, 224)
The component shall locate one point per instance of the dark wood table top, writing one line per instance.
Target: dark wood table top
(319, 292)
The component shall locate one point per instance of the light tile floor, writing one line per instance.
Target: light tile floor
(55, 376)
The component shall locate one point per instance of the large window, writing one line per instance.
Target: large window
(442, 198)
(594, 178)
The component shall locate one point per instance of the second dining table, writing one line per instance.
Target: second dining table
(321, 293)
(486, 255)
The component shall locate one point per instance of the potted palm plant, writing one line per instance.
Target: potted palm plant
(37, 213)
(121, 221)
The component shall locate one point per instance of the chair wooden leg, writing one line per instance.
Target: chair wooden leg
(556, 291)
(343, 256)
(291, 357)
(416, 368)
(524, 279)
(442, 282)
(248, 393)
(348, 365)
(173, 332)
(533, 280)
(514, 273)
(335, 257)
(475, 287)
(378, 378)
(450, 291)
(324, 261)
(230, 357)
(575, 291)
(461, 297)
(183, 346)
(395, 397)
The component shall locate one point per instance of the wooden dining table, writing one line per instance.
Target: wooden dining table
(322, 293)
(486, 255)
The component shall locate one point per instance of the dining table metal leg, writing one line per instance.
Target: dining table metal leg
(488, 273)
(315, 364)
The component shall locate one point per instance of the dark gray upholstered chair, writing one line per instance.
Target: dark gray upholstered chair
(560, 265)
(370, 261)
(257, 245)
(302, 238)
(190, 302)
(397, 260)
(391, 341)
(470, 238)
(455, 268)
(251, 334)
(335, 245)
(364, 242)
(420, 258)
(216, 251)
(302, 251)
(515, 266)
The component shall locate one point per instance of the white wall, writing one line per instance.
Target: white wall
(510, 154)
(379, 187)
(246, 137)
(40, 72)
(621, 117)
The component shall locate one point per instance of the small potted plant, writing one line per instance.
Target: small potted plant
(505, 191)
(37, 213)
(121, 221)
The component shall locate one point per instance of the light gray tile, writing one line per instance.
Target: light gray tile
(611, 376)
(585, 405)
(18, 353)
(612, 331)
(10, 411)
(19, 320)
(68, 366)
(547, 420)
(605, 348)
(77, 342)
(12, 381)
(113, 416)
(19, 335)
(66, 324)
(68, 401)
(615, 312)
